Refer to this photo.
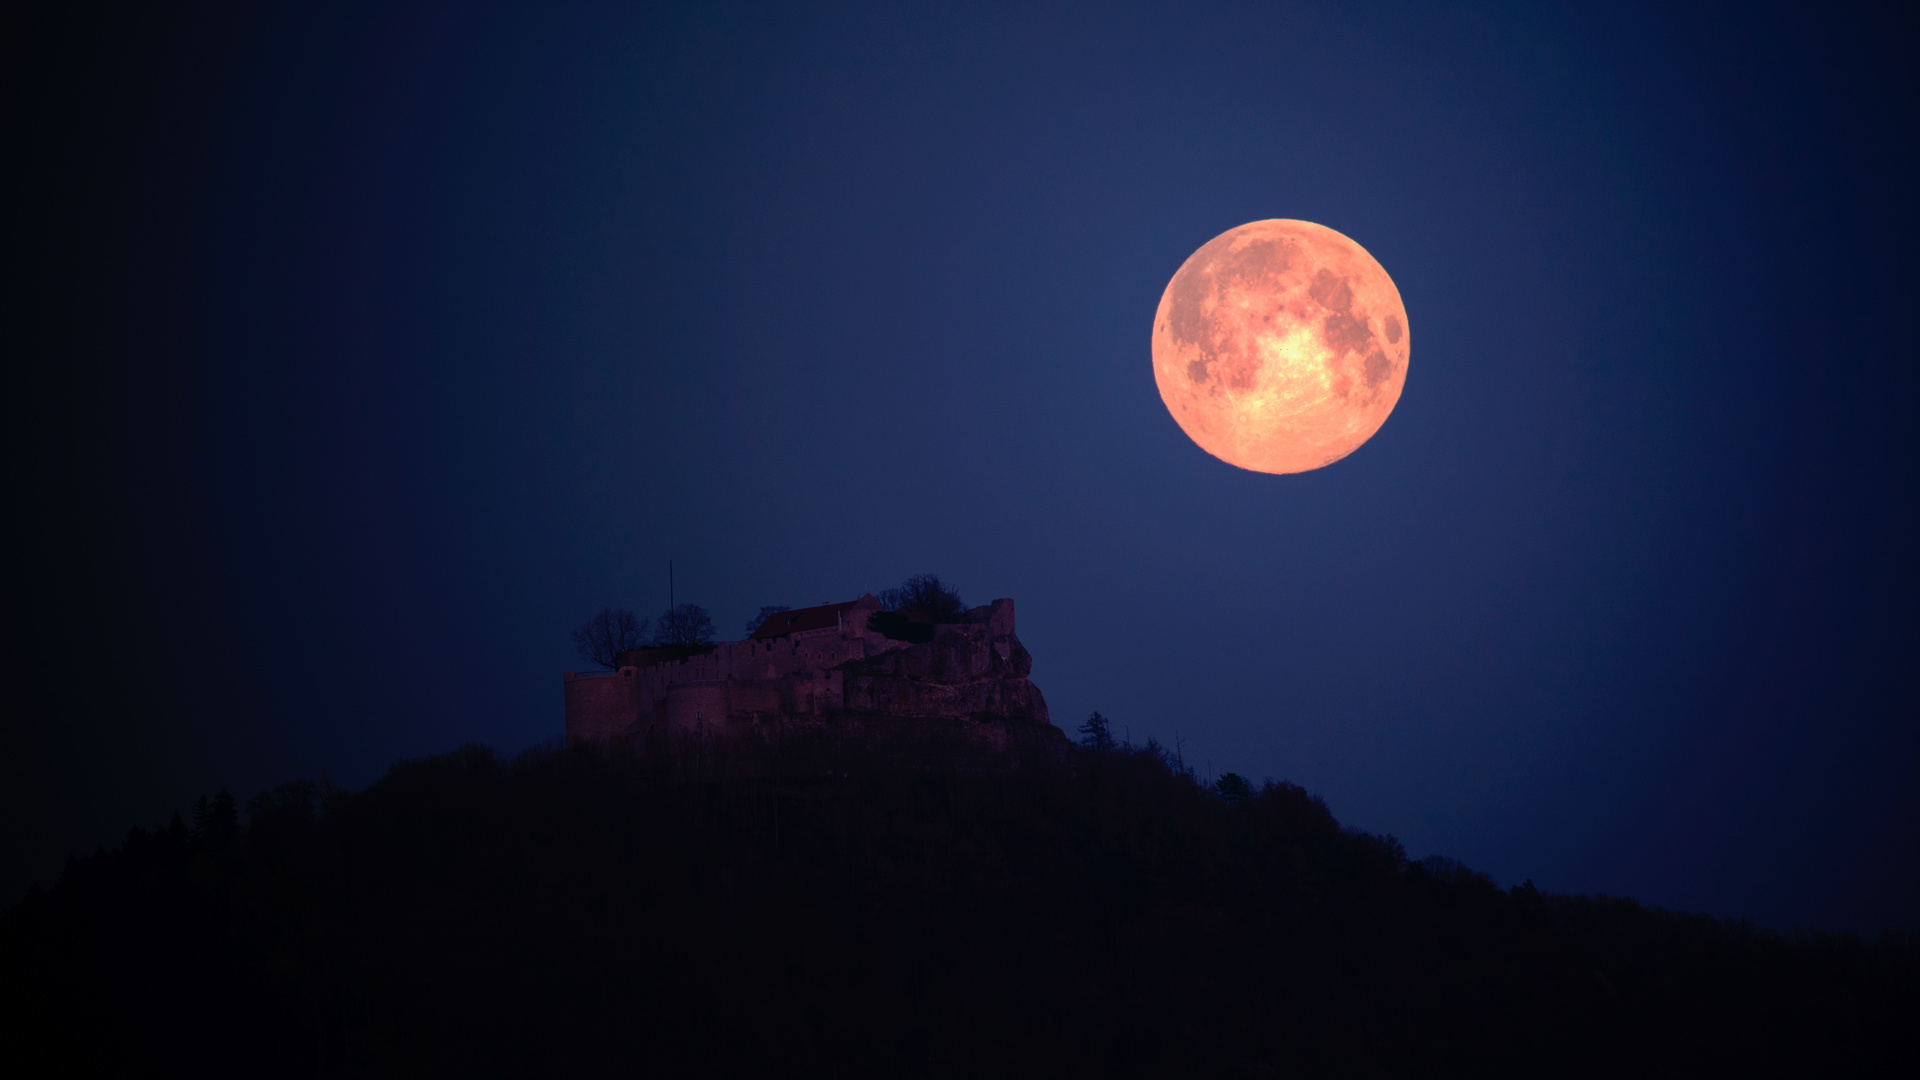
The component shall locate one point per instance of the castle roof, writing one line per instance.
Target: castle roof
(782, 623)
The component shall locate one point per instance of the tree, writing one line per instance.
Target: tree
(771, 609)
(1097, 734)
(601, 639)
(927, 594)
(216, 820)
(1233, 787)
(684, 624)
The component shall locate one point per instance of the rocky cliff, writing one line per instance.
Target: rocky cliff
(966, 671)
(969, 684)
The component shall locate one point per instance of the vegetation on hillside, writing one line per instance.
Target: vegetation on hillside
(602, 638)
(910, 610)
(925, 595)
(825, 915)
(683, 624)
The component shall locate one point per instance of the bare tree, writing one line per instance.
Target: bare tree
(684, 624)
(927, 594)
(604, 637)
(771, 609)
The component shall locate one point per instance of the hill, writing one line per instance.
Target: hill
(835, 915)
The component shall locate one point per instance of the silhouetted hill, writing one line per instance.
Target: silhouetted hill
(568, 913)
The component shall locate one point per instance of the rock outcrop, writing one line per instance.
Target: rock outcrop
(825, 672)
(965, 671)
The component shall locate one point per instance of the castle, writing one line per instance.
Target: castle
(827, 668)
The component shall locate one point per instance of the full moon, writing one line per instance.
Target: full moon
(1280, 346)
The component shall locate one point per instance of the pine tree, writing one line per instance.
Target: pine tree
(1233, 787)
(1096, 734)
(216, 820)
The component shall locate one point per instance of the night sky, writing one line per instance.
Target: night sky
(355, 358)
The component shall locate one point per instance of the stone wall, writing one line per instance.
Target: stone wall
(696, 706)
(601, 707)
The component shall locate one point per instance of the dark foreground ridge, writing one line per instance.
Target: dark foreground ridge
(573, 913)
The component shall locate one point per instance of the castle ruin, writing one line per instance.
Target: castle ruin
(826, 669)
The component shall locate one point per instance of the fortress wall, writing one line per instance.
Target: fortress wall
(815, 649)
(696, 703)
(599, 707)
(695, 669)
(1000, 617)
(877, 644)
(818, 692)
(801, 655)
(744, 700)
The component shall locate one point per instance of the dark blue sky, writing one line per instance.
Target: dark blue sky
(363, 355)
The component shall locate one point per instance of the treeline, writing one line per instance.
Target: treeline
(826, 914)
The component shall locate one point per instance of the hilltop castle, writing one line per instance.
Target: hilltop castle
(827, 668)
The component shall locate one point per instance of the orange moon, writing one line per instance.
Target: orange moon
(1280, 346)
